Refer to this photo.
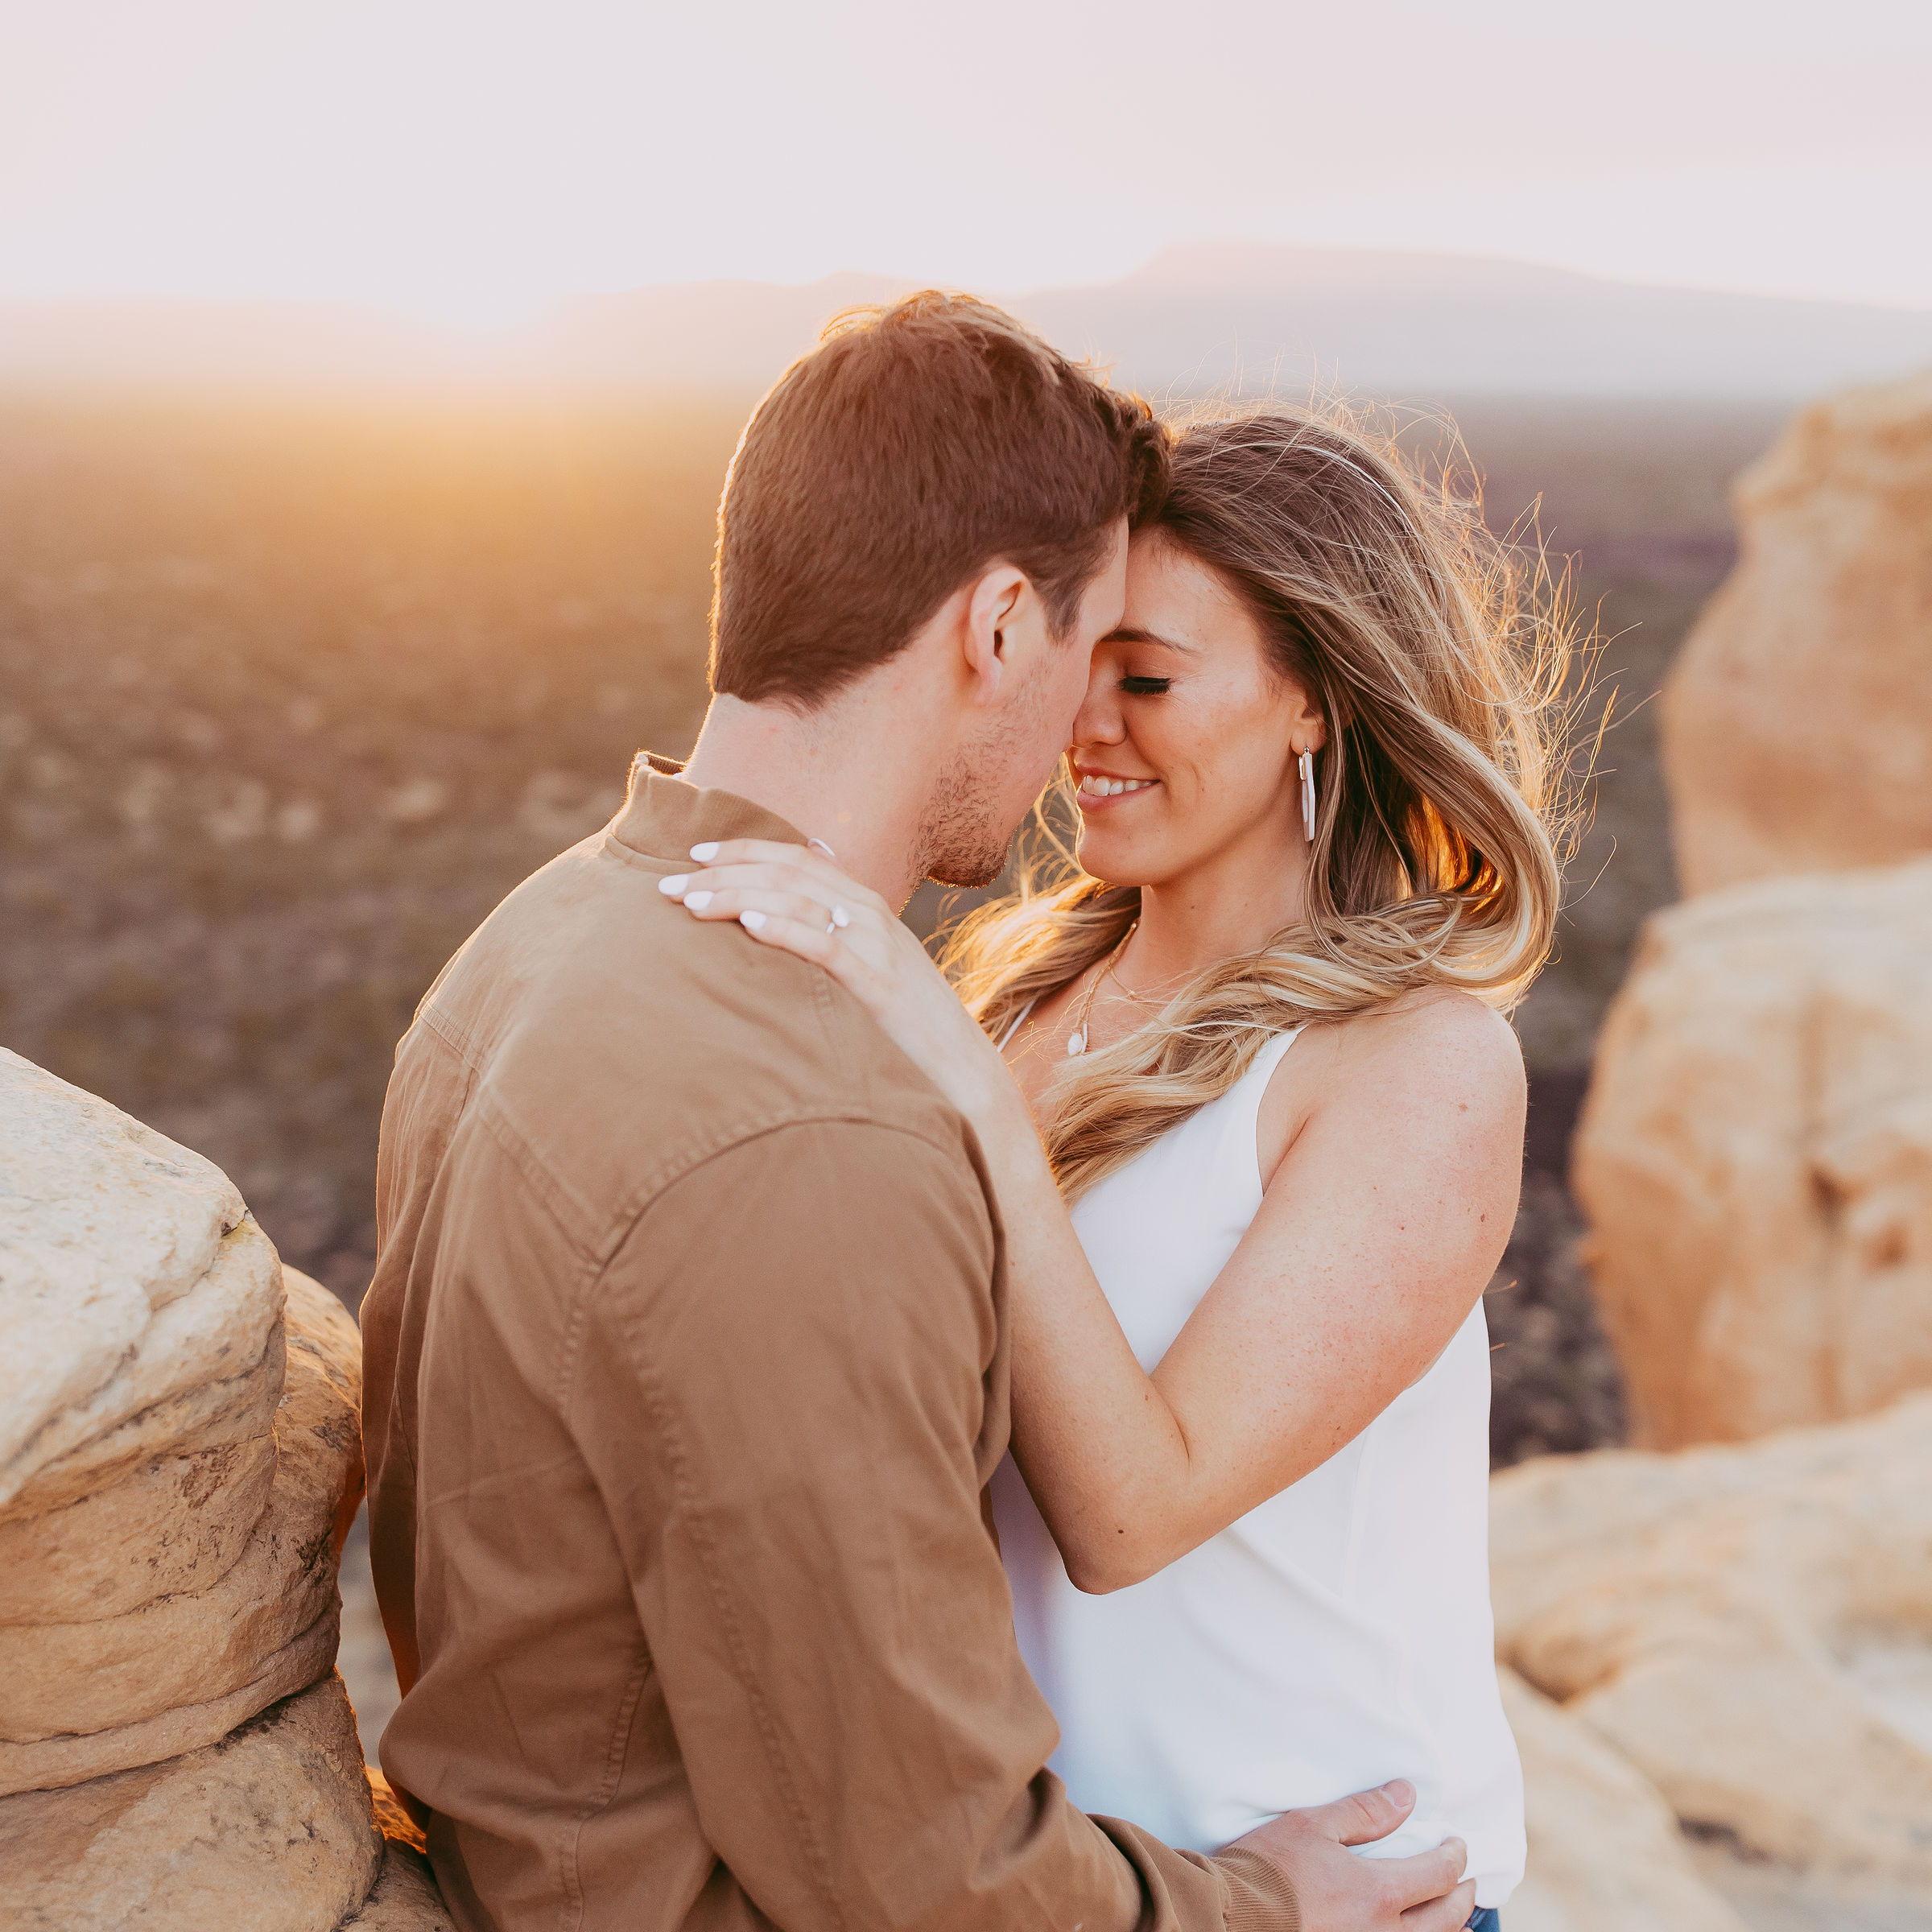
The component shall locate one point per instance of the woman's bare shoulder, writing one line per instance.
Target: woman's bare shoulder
(1436, 1052)
(1440, 1032)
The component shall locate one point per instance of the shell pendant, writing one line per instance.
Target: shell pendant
(1076, 1041)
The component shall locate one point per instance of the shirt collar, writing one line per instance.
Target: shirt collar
(663, 815)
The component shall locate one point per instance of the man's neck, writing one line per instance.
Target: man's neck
(823, 773)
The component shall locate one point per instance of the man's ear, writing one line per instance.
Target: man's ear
(997, 598)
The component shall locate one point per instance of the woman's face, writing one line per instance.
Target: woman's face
(1184, 707)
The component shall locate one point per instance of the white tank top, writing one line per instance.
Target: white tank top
(1335, 1637)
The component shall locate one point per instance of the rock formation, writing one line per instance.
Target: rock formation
(1797, 719)
(1750, 1628)
(180, 1457)
(1605, 1851)
(1755, 1158)
(269, 1828)
(405, 1897)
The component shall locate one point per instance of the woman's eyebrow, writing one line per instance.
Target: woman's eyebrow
(1130, 634)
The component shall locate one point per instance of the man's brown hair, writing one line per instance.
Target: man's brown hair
(915, 445)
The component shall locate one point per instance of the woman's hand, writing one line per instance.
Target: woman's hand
(788, 897)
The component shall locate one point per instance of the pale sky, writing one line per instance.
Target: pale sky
(472, 163)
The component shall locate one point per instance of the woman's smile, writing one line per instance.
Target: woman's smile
(1105, 790)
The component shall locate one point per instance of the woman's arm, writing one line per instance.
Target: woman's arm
(1378, 1229)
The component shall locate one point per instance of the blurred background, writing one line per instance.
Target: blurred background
(367, 379)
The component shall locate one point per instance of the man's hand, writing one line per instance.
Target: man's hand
(1340, 1892)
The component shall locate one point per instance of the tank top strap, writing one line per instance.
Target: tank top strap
(1240, 1149)
(1014, 1026)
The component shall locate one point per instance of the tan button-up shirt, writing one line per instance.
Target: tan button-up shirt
(685, 1372)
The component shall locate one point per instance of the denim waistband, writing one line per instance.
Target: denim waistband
(1484, 1918)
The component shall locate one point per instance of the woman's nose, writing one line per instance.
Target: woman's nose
(1099, 720)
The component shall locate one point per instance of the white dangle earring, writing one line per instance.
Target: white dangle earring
(1305, 764)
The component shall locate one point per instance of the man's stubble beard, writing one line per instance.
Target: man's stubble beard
(965, 838)
(960, 843)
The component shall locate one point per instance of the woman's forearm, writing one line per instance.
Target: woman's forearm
(1107, 1459)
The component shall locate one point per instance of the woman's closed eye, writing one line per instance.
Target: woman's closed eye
(1145, 688)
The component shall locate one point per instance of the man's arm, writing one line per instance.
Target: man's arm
(781, 1389)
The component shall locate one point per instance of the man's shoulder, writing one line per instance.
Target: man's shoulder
(615, 1042)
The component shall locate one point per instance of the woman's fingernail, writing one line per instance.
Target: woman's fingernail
(674, 884)
(707, 850)
(1398, 1790)
(754, 921)
(696, 901)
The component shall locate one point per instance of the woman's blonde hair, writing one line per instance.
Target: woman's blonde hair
(1438, 658)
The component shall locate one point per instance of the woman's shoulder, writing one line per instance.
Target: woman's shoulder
(1436, 1052)
(1437, 1032)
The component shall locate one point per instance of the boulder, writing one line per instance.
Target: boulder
(161, 1527)
(1754, 1159)
(1751, 1627)
(405, 1898)
(1797, 719)
(139, 1298)
(82, 1697)
(1605, 1852)
(270, 1828)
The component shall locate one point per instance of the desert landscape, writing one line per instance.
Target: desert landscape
(291, 693)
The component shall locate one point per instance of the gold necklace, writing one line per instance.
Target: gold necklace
(1076, 1041)
(1127, 993)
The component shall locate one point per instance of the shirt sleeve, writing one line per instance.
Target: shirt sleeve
(785, 1386)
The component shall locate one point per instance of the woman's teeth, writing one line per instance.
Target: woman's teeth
(1112, 788)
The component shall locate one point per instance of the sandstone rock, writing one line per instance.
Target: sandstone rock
(268, 1829)
(233, 1408)
(405, 1898)
(1605, 1852)
(1755, 1158)
(140, 1299)
(80, 1697)
(1798, 718)
(72, 1757)
(324, 1341)
(164, 1527)
(1751, 1627)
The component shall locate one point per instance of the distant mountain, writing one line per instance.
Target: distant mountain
(1201, 319)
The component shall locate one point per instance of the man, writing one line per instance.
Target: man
(685, 1351)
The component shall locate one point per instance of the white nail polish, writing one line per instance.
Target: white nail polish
(753, 922)
(707, 850)
(674, 884)
(696, 901)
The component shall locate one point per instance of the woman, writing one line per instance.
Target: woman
(1256, 1142)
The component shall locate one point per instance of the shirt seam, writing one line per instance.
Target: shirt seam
(691, 1509)
(565, 1206)
(615, 1753)
(446, 1030)
(612, 846)
(698, 1153)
